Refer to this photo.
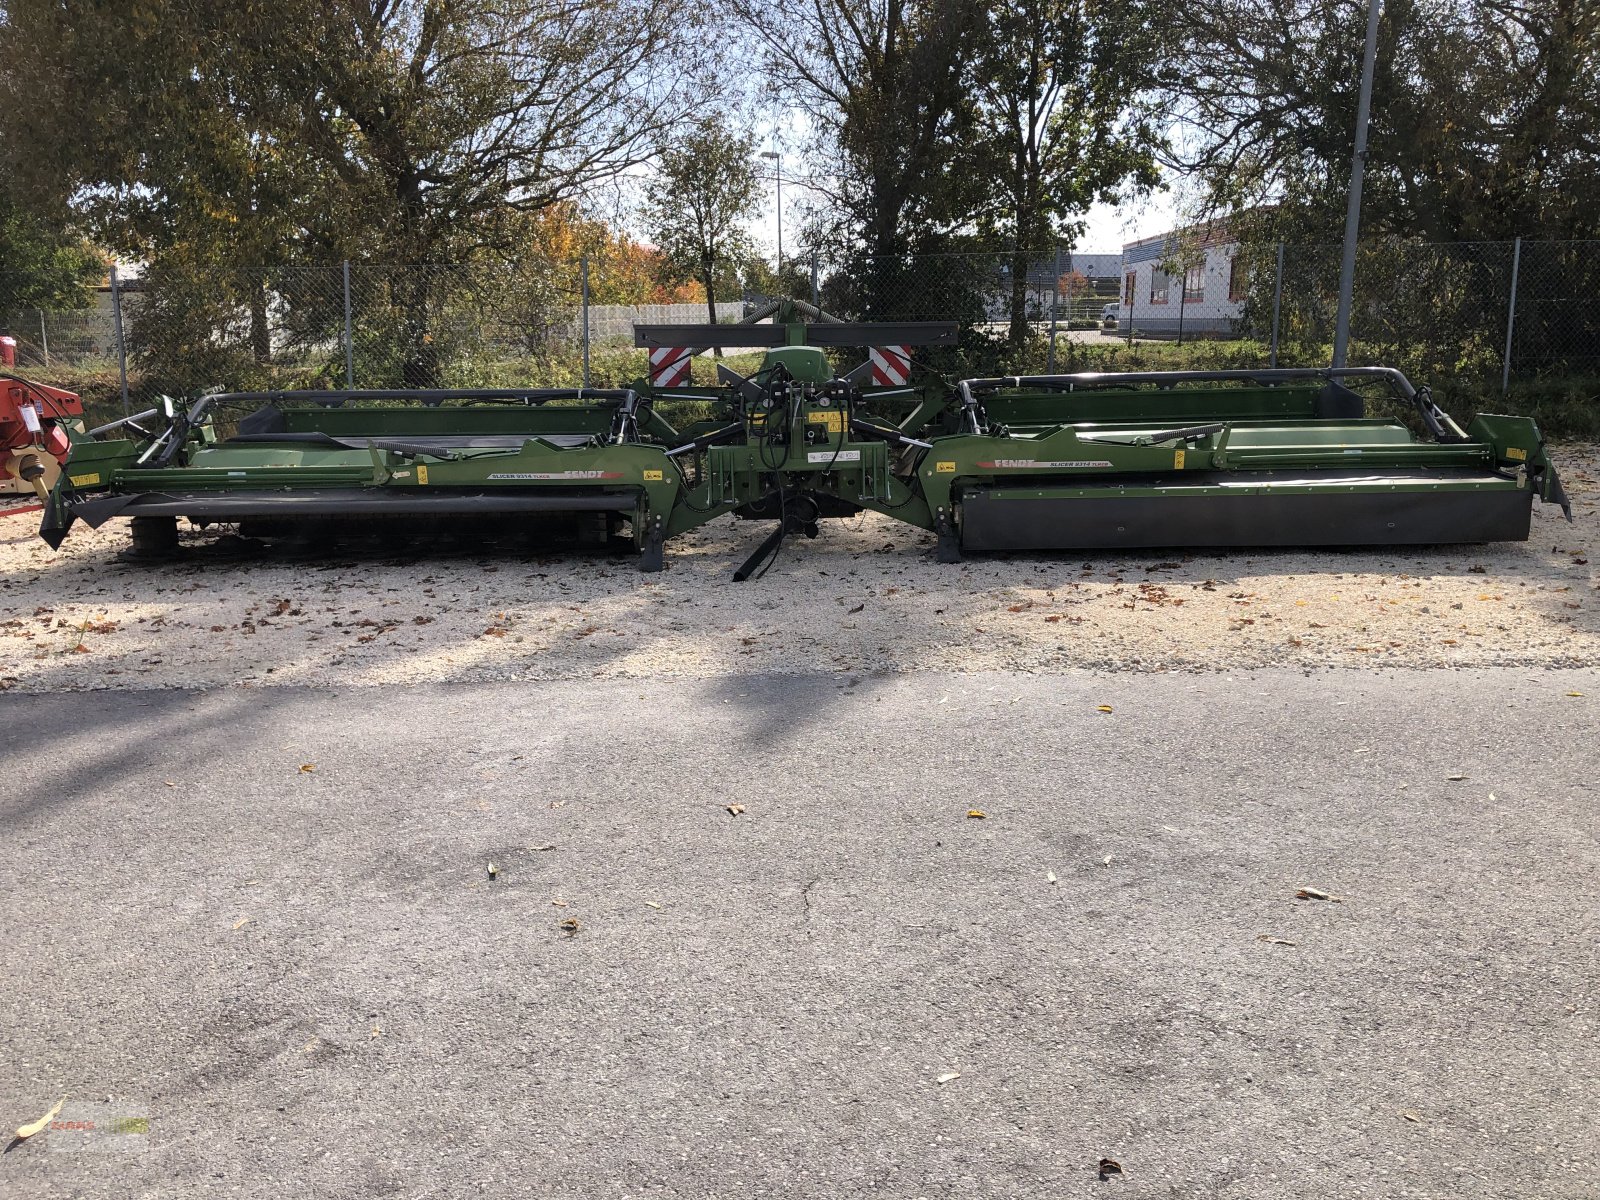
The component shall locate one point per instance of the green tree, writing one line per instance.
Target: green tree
(706, 186)
(1484, 116)
(1068, 113)
(887, 85)
(245, 137)
(42, 264)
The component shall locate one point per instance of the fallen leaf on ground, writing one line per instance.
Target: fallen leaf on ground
(1411, 1116)
(1106, 861)
(307, 768)
(559, 903)
(1103, 708)
(570, 926)
(1275, 941)
(376, 1033)
(976, 814)
(651, 904)
(540, 849)
(949, 1076)
(1109, 1166)
(856, 609)
(1310, 893)
(735, 809)
(1049, 876)
(241, 923)
(1455, 778)
(493, 870)
(1578, 695)
(27, 1131)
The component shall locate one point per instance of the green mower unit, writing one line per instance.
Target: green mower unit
(1030, 463)
(1225, 458)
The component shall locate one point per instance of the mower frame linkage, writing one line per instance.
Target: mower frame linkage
(1439, 422)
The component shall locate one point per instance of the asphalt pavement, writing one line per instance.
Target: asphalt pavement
(253, 937)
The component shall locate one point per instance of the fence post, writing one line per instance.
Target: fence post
(122, 345)
(1055, 307)
(1511, 316)
(816, 295)
(1133, 300)
(1277, 307)
(44, 340)
(583, 275)
(349, 342)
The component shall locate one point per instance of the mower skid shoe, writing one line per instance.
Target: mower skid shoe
(652, 555)
(949, 548)
(155, 539)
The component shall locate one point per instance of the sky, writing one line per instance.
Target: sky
(1108, 225)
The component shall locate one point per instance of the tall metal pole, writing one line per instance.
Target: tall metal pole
(816, 301)
(349, 343)
(777, 157)
(1511, 317)
(583, 275)
(1277, 306)
(1358, 166)
(122, 343)
(44, 340)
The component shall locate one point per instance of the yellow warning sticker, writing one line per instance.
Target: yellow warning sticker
(652, 476)
(422, 474)
(1515, 452)
(85, 480)
(1177, 460)
(945, 468)
(832, 420)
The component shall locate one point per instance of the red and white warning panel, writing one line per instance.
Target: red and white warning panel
(669, 366)
(891, 365)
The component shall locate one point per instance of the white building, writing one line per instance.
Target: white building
(1188, 278)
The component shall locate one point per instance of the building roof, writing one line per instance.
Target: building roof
(1152, 249)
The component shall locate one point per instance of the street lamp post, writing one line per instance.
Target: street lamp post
(778, 165)
(1358, 166)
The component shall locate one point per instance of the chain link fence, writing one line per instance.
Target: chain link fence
(1486, 314)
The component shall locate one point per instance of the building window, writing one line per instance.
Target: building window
(1127, 289)
(1238, 278)
(1194, 284)
(1159, 283)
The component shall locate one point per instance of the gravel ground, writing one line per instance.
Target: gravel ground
(866, 596)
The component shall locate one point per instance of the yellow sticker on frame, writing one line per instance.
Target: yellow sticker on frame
(945, 468)
(652, 476)
(422, 474)
(1177, 460)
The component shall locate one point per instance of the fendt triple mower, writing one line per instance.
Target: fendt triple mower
(1163, 459)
